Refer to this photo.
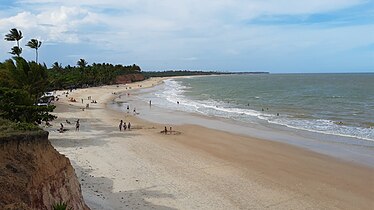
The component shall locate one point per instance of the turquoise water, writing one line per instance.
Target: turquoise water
(336, 104)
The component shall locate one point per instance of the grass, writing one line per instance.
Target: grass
(9, 128)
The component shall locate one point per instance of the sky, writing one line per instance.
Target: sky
(278, 36)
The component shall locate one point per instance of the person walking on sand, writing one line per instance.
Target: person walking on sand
(124, 126)
(77, 125)
(62, 127)
(129, 126)
(120, 125)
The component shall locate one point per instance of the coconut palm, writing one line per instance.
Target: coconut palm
(14, 35)
(82, 63)
(34, 44)
(16, 51)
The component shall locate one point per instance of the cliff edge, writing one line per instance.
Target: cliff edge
(33, 175)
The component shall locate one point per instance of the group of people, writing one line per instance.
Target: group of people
(166, 131)
(123, 125)
(77, 125)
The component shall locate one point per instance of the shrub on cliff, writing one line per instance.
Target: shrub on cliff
(8, 128)
(61, 206)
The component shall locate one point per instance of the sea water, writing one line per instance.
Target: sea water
(331, 114)
(336, 104)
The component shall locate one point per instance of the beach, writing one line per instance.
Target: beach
(194, 167)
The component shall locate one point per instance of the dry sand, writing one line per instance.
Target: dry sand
(197, 168)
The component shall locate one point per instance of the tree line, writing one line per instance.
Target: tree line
(84, 75)
(22, 82)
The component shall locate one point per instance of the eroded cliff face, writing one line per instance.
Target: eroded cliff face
(128, 78)
(33, 175)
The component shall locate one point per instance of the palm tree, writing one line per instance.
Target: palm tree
(82, 63)
(14, 35)
(16, 51)
(34, 44)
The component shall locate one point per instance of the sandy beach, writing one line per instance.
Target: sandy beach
(194, 167)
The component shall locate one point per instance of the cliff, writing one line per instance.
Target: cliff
(128, 78)
(33, 175)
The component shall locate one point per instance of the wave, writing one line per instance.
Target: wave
(174, 91)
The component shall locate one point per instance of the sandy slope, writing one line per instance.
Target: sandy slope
(199, 168)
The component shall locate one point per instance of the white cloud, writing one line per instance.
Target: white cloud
(153, 31)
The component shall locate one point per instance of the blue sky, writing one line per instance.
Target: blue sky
(225, 35)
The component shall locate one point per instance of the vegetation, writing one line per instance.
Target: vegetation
(87, 75)
(8, 128)
(34, 44)
(22, 83)
(178, 73)
(61, 206)
(15, 35)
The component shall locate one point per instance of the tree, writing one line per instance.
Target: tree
(15, 35)
(34, 44)
(56, 66)
(16, 51)
(82, 63)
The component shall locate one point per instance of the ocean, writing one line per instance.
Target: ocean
(332, 114)
(335, 104)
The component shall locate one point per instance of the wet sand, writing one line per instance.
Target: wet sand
(195, 167)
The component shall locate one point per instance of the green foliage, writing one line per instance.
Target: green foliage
(178, 73)
(28, 76)
(87, 75)
(8, 128)
(61, 206)
(14, 35)
(16, 105)
(34, 44)
(16, 51)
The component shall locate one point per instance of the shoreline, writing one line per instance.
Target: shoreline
(349, 149)
(199, 168)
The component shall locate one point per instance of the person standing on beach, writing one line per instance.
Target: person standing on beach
(124, 126)
(129, 126)
(120, 125)
(150, 103)
(166, 130)
(77, 125)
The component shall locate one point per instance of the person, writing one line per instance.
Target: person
(124, 126)
(129, 126)
(134, 111)
(61, 128)
(77, 125)
(170, 130)
(82, 100)
(150, 103)
(177, 102)
(120, 125)
(166, 130)
(128, 108)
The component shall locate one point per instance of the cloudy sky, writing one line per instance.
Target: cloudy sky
(224, 35)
